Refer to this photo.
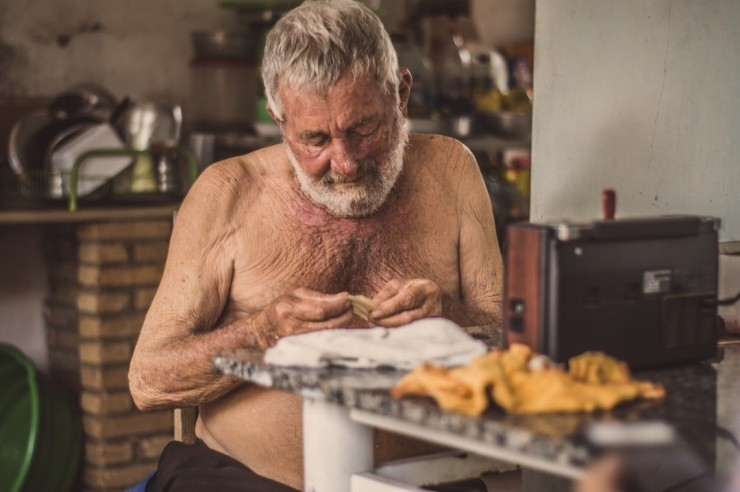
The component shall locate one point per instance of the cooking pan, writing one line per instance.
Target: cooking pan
(30, 143)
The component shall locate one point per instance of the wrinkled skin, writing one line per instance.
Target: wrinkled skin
(252, 259)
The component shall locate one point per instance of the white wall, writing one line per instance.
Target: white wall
(640, 96)
(143, 48)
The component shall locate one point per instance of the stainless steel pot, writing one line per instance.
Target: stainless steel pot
(84, 99)
(148, 122)
(225, 44)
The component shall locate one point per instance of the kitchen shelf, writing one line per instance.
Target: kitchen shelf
(97, 214)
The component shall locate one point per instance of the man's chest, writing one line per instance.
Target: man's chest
(357, 260)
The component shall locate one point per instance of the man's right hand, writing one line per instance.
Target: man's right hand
(305, 310)
(401, 302)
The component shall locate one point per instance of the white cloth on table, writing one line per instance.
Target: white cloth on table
(434, 340)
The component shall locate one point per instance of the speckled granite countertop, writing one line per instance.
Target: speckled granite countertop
(702, 403)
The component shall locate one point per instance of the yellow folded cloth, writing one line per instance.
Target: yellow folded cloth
(519, 382)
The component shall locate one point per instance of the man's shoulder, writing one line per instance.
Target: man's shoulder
(438, 147)
(441, 154)
(241, 171)
(235, 182)
(436, 140)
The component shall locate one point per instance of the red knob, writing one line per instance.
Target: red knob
(608, 204)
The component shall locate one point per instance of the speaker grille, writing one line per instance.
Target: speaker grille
(688, 320)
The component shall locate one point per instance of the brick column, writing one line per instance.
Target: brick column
(102, 279)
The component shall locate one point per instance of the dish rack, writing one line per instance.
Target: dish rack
(57, 185)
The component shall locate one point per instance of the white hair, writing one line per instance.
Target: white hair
(312, 46)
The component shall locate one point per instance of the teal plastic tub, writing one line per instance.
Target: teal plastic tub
(40, 429)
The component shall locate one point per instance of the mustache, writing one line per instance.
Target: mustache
(365, 168)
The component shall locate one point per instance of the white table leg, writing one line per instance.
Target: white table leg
(334, 447)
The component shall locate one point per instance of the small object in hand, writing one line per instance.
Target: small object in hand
(361, 306)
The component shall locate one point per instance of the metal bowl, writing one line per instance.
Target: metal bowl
(225, 44)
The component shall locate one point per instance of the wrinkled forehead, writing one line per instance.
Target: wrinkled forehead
(321, 80)
(349, 94)
(321, 85)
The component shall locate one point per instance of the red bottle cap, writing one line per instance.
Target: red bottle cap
(608, 204)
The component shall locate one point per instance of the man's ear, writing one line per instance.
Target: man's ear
(273, 115)
(404, 90)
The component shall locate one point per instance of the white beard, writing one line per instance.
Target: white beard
(356, 201)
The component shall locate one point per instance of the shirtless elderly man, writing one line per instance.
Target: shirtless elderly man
(269, 244)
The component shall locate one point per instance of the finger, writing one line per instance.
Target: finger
(389, 290)
(406, 299)
(289, 310)
(341, 321)
(312, 305)
(320, 310)
(400, 319)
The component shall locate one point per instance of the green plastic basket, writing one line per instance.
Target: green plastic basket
(40, 430)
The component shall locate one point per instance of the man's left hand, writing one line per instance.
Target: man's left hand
(402, 301)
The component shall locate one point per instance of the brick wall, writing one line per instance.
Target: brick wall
(102, 277)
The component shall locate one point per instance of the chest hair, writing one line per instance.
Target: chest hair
(356, 259)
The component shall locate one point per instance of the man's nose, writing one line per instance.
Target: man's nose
(342, 161)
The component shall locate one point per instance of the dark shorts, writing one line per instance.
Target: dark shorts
(196, 467)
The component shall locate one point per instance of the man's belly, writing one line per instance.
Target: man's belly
(259, 427)
(262, 428)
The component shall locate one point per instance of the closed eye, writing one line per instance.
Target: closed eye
(365, 128)
(316, 139)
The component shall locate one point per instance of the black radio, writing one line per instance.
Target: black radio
(643, 290)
